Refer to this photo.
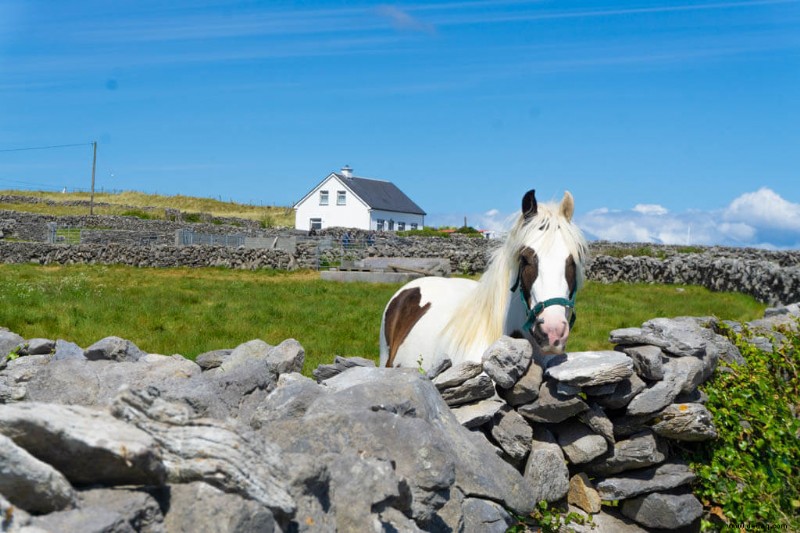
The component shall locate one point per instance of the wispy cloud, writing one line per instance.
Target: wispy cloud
(402, 20)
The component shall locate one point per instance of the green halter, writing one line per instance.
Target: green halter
(541, 306)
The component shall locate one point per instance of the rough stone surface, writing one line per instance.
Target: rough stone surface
(476, 414)
(39, 346)
(340, 364)
(478, 388)
(552, 407)
(31, 484)
(582, 494)
(546, 470)
(485, 516)
(199, 506)
(680, 375)
(212, 359)
(587, 369)
(107, 510)
(114, 349)
(595, 418)
(639, 451)
(664, 477)
(85, 445)
(526, 389)
(625, 391)
(664, 511)
(9, 341)
(512, 433)
(457, 375)
(506, 360)
(685, 422)
(67, 350)
(647, 361)
(579, 443)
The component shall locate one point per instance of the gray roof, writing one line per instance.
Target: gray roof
(383, 195)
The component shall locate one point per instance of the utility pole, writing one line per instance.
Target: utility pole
(94, 166)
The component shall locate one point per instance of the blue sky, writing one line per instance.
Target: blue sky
(668, 121)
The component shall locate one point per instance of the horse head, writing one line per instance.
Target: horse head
(550, 254)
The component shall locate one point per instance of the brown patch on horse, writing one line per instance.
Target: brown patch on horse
(572, 278)
(402, 314)
(528, 271)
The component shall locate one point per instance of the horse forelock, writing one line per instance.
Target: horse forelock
(480, 318)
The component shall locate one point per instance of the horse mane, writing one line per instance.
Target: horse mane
(480, 318)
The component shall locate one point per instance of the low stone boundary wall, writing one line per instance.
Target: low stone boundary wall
(110, 434)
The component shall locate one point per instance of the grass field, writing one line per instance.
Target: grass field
(190, 311)
(152, 204)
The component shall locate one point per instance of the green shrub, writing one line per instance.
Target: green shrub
(750, 474)
(138, 213)
(424, 232)
(639, 251)
(191, 217)
(690, 250)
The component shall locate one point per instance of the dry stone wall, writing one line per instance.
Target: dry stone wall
(112, 438)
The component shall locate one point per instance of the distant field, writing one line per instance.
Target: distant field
(190, 311)
(121, 204)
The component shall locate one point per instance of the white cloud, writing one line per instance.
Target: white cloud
(650, 209)
(759, 219)
(764, 208)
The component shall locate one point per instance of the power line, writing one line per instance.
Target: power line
(45, 147)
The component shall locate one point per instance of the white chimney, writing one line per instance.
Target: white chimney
(347, 172)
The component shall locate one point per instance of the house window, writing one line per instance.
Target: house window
(413, 225)
(341, 198)
(401, 226)
(316, 223)
(380, 224)
(391, 225)
(323, 197)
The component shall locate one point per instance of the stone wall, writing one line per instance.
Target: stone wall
(110, 437)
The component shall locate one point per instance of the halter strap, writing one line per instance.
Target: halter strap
(533, 314)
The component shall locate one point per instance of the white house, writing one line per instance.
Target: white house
(344, 200)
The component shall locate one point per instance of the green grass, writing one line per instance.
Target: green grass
(190, 311)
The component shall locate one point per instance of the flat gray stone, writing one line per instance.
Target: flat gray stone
(552, 407)
(526, 389)
(113, 349)
(67, 350)
(512, 433)
(664, 511)
(9, 341)
(339, 365)
(474, 389)
(639, 451)
(457, 374)
(636, 482)
(595, 418)
(86, 445)
(212, 359)
(606, 521)
(40, 346)
(195, 506)
(506, 360)
(473, 415)
(579, 443)
(31, 484)
(625, 391)
(685, 422)
(588, 369)
(109, 510)
(485, 516)
(647, 361)
(680, 375)
(546, 470)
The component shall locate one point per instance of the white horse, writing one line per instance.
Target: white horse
(528, 290)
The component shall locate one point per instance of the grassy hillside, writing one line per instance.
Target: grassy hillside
(190, 311)
(125, 203)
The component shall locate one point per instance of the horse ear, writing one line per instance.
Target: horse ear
(529, 206)
(567, 206)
